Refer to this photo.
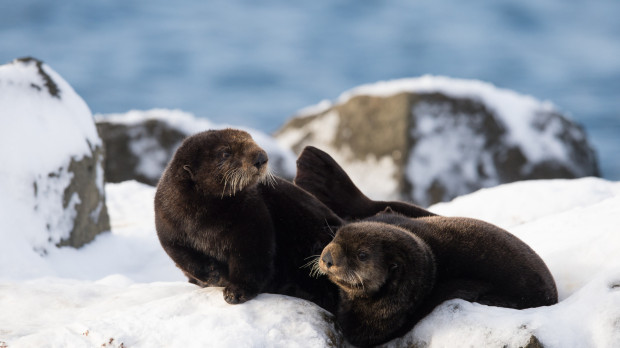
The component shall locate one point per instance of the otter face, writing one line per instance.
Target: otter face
(224, 162)
(356, 260)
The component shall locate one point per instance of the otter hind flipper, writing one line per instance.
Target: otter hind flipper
(319, 174)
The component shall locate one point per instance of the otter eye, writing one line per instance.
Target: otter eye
(225, 154)
(362, 256)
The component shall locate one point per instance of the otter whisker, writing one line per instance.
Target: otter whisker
(269, 179)
(315, 270)
(361, 280)
(238, 178)
(309, 263)
(354, 279)
(228, 179)
(331, 231)
(225, 181)
(247, 179)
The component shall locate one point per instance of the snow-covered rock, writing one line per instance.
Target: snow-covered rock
(51, 173)
(139, 144)
(431, 139)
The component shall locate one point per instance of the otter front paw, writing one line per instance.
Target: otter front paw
(211, 275)
(208, 275)
(234, 294)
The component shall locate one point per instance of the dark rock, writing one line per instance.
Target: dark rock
(51, 86)
(431, 146)
(92, 213)
(138, 151)
(533, 343)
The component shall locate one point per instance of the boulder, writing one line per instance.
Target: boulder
(139, 144)
(51, 176)
(431, 139)
(138, 151)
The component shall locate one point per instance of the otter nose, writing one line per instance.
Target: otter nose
(260, 159)
(327, 259)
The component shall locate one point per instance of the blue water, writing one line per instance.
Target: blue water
(255, 63)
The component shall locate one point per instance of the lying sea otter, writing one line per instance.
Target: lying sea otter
(392, 269)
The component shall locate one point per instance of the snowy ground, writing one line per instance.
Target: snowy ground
(122, 290)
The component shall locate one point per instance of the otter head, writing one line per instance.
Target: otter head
(222, 162)
(356, 260)
(366, 256)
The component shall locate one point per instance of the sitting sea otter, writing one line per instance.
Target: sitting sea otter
(225, 221)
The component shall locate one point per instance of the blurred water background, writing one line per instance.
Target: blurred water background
(254, 63)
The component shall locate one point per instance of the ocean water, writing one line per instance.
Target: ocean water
(256, 63)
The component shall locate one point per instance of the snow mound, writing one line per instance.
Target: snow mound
(116, 313)
(51, 176)
(586, 319)
(529, 200)
(123, 290)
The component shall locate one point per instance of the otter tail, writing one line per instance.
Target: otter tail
(319, 174)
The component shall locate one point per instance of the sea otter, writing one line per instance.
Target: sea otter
(225, 221)
(394, 270)
(395, 266)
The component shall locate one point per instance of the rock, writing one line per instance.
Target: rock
(431, 139)
(52, 177)
(139, 144)
(138, 151)
(533, 343)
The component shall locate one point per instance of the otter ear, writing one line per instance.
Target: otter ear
(393, 267)
(189, 170)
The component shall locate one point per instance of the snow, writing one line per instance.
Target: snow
(74, 313)
(315, 109)
(543, 198)
(449, 151)
(123, 287)
(588, 318)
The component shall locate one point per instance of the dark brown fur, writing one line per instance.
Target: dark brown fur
(473, 260)
(405, 277)
(225, 223)
(319, 174)
(384, 274)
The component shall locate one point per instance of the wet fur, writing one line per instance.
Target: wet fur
(473, 260)
(226, 222)
(380, 293)
(418, 263)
